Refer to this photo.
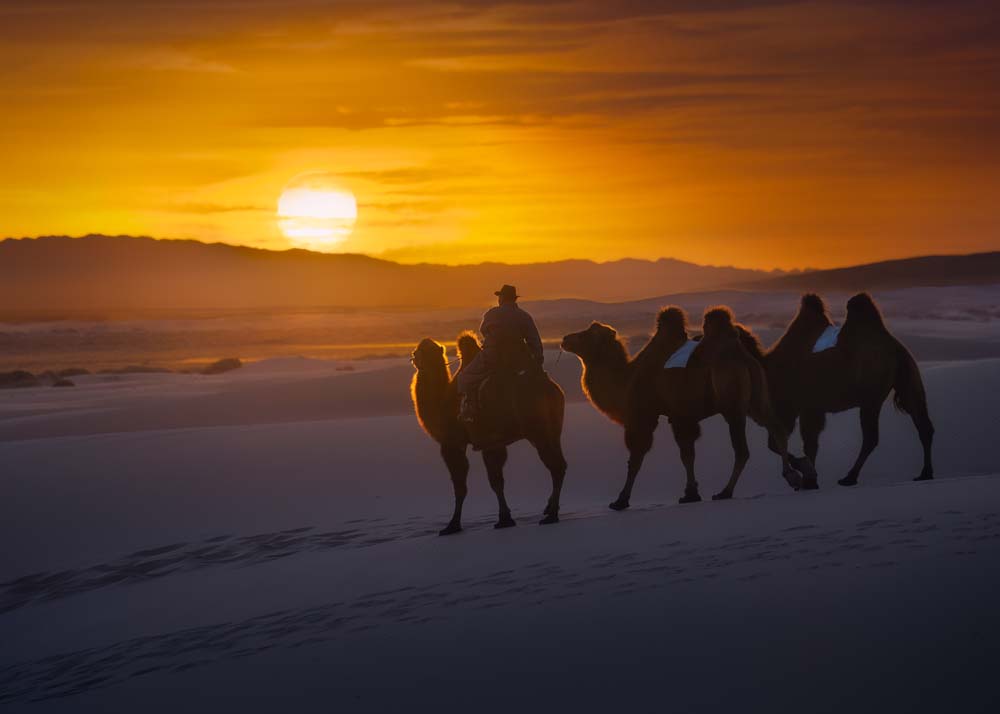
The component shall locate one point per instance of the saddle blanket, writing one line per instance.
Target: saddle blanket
(681, 356)
(828, 339)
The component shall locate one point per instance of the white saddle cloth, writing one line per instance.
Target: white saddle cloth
(828, 339)
(681, 356)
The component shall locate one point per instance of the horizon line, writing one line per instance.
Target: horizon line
(368, 256)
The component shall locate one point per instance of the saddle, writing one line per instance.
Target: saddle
(515, 379)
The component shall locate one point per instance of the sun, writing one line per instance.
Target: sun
(316, 212)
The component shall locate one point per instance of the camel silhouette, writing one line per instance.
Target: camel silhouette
(636, 392)
(865, 365)
(537, 406)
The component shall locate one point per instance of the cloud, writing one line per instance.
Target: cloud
(407, 175)
(179, 61)
(214, 208)
(689, 117)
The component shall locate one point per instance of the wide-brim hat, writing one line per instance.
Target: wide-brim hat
(507, 291)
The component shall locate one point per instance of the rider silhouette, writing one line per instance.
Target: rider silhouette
(504, 321)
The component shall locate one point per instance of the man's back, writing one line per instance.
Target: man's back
(509, 321)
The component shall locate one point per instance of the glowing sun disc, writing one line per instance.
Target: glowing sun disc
(316, 213)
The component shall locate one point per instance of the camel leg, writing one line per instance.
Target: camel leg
(926, 431)
(495, 460)
(555, 462)
(869, 440)
(638, 440)
(811, 426)
(738, 437)
(458, 466)
(799, 471)
(685, 434)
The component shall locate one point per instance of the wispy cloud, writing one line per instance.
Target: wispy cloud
(181, 61)
(773, 128)
(214, 208)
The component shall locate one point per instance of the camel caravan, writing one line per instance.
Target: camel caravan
(501, 394)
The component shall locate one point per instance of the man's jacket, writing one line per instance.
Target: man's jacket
(506, 321)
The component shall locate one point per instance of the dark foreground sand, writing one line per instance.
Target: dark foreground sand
(174, 543)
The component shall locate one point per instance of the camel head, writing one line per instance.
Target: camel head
(591, 342)
(428, 355)
(672, 323)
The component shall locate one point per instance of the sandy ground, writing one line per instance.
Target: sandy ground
(264, 539)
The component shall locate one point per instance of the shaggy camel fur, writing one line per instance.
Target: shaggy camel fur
(538, 410)
(636, 392)
(860, 371)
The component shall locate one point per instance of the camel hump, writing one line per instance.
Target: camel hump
(725, 339)
(718, 321)
(672, 319)
(862, 309)
(468, 346)
(813, 303)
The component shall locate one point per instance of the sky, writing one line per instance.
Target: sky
(765, 134)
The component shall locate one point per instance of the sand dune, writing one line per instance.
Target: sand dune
(174, 539)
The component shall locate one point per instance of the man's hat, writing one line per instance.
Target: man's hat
(507, 291)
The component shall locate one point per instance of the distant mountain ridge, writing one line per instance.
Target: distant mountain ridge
(111, 275)
(922, 271)
(123, 273)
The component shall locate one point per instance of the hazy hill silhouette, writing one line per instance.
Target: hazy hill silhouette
(109, 275)
(121, 273)
(924, 271)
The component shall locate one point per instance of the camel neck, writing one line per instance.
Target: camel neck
(605, 382)
(429, 391)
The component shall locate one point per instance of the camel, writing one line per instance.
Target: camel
(636, 392)
(866, 364)
(538, 417)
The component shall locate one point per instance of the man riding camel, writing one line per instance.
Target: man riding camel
(504, 322)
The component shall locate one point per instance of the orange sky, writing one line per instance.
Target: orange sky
(761, 134)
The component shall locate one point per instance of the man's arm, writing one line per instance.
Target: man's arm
(484, 326)
(530, 334)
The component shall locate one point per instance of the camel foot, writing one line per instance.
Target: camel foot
(810, 484)
(505, 522)
(924, 477)
(619, 505)
(549, 519)
(723, 495)
(848, 480)
(450, 528)
(690, 497)
(805, 466)
(794, 479)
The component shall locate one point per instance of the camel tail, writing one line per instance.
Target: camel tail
(910, 396)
